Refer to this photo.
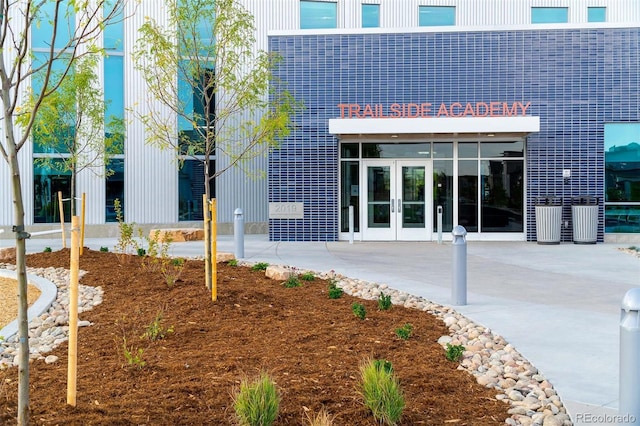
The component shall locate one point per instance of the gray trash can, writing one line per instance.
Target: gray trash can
(584, 215)
(548, 220)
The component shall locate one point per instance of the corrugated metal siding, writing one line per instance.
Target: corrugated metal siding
(151, 178)
(24, 156)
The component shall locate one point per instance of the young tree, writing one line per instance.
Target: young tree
(71, 121)
(73, 28)
(204, 67)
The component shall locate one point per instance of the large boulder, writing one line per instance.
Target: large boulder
(177, 235)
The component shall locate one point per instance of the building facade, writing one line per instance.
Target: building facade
(416, 112)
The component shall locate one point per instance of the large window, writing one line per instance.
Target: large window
(549, 15)
(50, 176)
(114, 99)
(370, 15)
(191, 187)
(48, 184)
(597, 14)
(622, 177)
(431, 16)
(318, 14)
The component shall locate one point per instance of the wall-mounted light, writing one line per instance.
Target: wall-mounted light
(491, 135)
(394, 136)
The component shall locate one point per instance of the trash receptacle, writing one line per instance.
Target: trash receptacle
(584, 215)
(548, 220)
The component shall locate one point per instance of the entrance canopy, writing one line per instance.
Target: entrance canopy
(434, 126)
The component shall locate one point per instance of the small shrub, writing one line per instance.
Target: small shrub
(359, 310)
(454, 352)
(307, 276)
(171, 269)
(335, 292)
(233, 262)
(256, 403)
(292, 282)
(321, 418)
(384, 302)
(381, 391)
(155, 330)
(132, 355)
(633, 248)
(104, 249)
(47, 250)
(126, 241)
(405, 331)
(141, 252)
(260, 266)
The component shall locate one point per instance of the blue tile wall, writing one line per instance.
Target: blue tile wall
(576, 80)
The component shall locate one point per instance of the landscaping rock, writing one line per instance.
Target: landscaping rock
(177, 235)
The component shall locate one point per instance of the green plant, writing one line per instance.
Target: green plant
(233, 262)
(256, 403)
(132, 355)
(104, 249)
(141, 252)
(260, 266)
(307, 276)
(155, 330)
(405, 331)
(381, 391)
(126, 241)
(321, 418)
(335, 292)
(171, 269)
(359, 310)
(292, 282)
(47, 250)
(634, 248)
(384, 302)
(454, 352)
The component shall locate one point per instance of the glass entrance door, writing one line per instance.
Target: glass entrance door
(395, 200)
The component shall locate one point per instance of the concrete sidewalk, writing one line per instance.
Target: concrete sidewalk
(559, 305)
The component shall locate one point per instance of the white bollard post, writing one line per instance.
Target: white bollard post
(351, 224)
(629, 390)
(459, 287)
(238, 233)
(439, 224)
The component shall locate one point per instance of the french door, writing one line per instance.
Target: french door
(397, 200)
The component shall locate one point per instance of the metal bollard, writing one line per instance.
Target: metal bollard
(238, 233)
(439, 224)
(351, 227)
(459, 287)
(629, 411)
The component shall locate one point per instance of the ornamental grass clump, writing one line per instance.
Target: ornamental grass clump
(381, 391)
(256, 403)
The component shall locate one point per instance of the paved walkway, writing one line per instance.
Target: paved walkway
(559, 305)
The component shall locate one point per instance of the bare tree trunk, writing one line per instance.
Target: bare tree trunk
(23, 322)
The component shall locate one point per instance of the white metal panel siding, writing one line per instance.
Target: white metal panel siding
(151, 178)
(25, 162)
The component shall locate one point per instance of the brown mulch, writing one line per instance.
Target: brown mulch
(310, 344)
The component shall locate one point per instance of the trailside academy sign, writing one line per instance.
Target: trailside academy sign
(426, 110)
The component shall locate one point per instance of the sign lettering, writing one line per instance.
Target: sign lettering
(426, 110)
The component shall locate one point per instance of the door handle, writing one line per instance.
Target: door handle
(392, 204)
(399, 205)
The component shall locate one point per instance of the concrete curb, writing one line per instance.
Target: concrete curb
(48, 294)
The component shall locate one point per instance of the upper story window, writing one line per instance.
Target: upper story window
(370, 15)
(318, 14)
(597, 14)
(549, 15)
(431, 16)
